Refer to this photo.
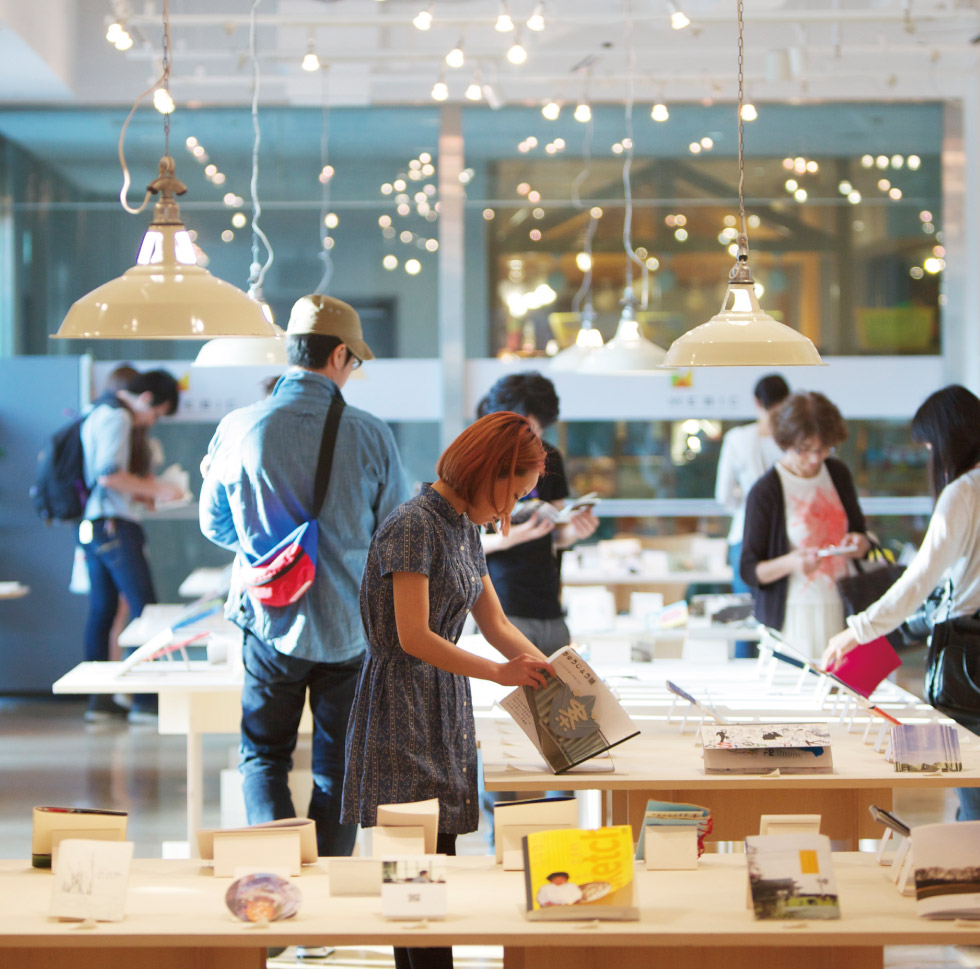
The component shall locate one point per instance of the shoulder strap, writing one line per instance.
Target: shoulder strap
(327, 444)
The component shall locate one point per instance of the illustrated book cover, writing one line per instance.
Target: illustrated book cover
(791, 876)
(576, 874)
(574, 717)
(946, 860)
(758, 748)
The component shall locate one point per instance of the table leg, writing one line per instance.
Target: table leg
(127, 957)
(195, 789)
(695, 957)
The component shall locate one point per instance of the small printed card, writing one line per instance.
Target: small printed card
(90, 880)
(414, 888)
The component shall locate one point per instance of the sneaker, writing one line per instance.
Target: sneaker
(102, 709)
(139, 715)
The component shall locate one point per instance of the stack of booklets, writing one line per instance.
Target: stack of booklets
(577, 874)
(791, 876)
(574, 717)
(668, 813)
(947, 869)
(924, 747)
(758, 748)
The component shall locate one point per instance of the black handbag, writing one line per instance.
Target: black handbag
(952, 679)
(868, 585)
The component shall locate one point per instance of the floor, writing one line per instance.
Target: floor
(48, 755)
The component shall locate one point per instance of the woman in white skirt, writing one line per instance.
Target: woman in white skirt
(803, 524)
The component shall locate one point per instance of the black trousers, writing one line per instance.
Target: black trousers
(429, 958)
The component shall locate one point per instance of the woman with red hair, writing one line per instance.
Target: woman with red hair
(411, 734)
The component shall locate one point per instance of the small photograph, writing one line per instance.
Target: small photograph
(420, 871)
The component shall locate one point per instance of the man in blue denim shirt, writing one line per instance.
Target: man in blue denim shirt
(257, 489)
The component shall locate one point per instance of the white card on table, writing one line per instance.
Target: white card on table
(90, 880)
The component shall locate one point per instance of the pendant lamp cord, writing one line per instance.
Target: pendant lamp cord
(256, 271)
(324, 253)
(583, 290)
(162, 81)
(633, 258)
(743, 239)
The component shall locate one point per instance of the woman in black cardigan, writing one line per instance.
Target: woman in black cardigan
(802, 523)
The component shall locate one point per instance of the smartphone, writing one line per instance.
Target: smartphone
(823, 553)
(889, 820)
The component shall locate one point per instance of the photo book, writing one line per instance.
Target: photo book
(758, 748)
(574, 717)
(791, 876)
(924, 748)
(946, 860)
(576, 874)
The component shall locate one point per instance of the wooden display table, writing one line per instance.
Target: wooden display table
(664, 763)
(176, 919)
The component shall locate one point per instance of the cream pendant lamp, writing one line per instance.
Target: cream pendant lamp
(742, 334)
(628, 351)
(587, 340)
(166, 295)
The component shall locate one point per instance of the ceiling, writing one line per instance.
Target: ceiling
(55, 51)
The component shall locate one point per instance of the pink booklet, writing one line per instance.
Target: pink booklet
(865, 666)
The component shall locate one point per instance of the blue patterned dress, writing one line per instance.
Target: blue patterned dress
(411, 731)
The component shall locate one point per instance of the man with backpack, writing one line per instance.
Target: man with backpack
(297, 484)
(118, 478)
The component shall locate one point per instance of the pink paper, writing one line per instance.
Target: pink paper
(865, 666)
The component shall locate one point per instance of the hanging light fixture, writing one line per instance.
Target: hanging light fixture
(742, 334)
(166, 295)
(628, 351)
(587, 340)
(249, 351)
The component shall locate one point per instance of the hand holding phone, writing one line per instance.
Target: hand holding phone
(836, 550)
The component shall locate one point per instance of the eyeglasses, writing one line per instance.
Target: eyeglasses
(820, 451)
(356, 361)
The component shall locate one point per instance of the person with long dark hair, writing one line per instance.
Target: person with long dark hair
(948, 424)
(411, 734)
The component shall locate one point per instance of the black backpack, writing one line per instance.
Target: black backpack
(59, 492)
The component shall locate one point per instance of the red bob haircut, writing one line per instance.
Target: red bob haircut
(500, 445)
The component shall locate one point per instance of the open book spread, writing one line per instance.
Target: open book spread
(758, 748)
(924, 747)
(578, 874)
(791, 876)
(573, 717)
(947, 869)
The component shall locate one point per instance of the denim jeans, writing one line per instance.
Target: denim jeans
(969, 809)
(744, 648)
(116, 565)
(272, 703)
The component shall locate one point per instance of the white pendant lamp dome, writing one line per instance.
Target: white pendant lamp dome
(628, 351)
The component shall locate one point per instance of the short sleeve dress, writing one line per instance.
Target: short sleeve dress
(411, 734)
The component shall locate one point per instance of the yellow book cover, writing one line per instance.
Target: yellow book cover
(576, 874)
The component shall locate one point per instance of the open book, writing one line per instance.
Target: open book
(947, 869)
(545, 509)
(573, 717)
(577, 874)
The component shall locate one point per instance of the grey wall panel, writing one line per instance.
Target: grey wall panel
(41, 634)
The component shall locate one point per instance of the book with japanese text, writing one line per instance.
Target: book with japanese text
(573, 717)
(758, 748)
(575, 874)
